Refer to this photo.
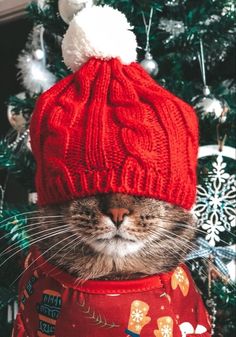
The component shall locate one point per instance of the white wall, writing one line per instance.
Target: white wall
(12, 9)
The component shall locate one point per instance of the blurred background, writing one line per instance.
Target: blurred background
(14, 30)
(188, 47)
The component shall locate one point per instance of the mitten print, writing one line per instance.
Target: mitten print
(138, 318)
(180, 279)
(165, 327)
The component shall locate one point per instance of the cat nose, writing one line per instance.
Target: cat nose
(117, 215)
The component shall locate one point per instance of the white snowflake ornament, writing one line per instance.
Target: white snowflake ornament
(216, 202)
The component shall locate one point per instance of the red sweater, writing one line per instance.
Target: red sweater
(52, 303)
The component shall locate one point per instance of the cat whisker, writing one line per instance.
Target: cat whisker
(173, 252)
(42, 254)
(179, 240)
(33, 242)
(18, 250)
(51, 229)
(13, 223)
(227, 230)
(178, 237)
(68, 244)
(16, 244)
(23, 227)
(166, 249)
(196, 229)
(185, 225)
(54, 232)
(206, 259)
(45, 221)
(34, 226)
(169, 235)
(17, 215)
(49, 216)
(203, 232)
(40, 217)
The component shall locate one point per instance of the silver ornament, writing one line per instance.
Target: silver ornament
(69, 8)
(38, 54)
(33, 198)
(149, 64)
(17, 120)
(210, 107)
(206, 90)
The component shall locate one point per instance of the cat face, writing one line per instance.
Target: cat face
(116, 234)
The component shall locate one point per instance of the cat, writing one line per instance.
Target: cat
(115, 262)
(114, 236)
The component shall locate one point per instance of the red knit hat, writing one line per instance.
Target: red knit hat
(109, 127)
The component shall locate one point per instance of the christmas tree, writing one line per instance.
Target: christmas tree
(188, 47)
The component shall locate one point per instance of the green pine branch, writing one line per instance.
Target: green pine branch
(25, 106)
(18, 162)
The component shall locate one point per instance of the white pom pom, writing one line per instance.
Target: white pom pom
(68, 8)
(100, 32)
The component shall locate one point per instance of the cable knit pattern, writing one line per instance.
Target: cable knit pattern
(110, 128)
